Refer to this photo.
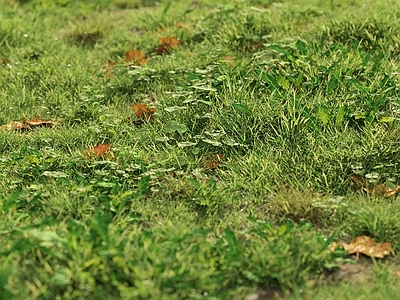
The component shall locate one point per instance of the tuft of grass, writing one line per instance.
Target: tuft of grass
(369, 34)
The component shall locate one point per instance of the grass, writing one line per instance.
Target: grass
(274, 133)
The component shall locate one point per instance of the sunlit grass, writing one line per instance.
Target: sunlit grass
(272, 132)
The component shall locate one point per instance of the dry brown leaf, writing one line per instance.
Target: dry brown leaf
(167, 44)
(36, 122)
(170, 42)
(379, 190)
(108, 67)
(257, 45)
(101, 150)
(228, 58)
(26, 125)
(334, 246)
(136, 57)
(356, 181)
(253, 47)
(367, 246)
(390, 192)
(213, 162)
(15, 125)
(143, 111)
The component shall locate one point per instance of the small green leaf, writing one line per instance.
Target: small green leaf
(55, 174)
(284, 83)
(172, 126)
(301, 47)
(62, 277)
(162, 139)
(182, 161)
(195, 151)
(268, 78)
(359, 116)
(174, 108)
(386, 120)
(282, 229)
(105, 184)
(359, 86)
(11, 199)
(166, 8)
(204, 88)
(323, 115)
(214, 143)
(340, 117)
(47, 238)
(205, 102)
(186, 144)
(332, 84)
(32, 159)
(300, 79)
(229, 142)
(391, 185)
(243, 108)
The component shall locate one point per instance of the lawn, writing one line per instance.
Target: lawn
(206, 149)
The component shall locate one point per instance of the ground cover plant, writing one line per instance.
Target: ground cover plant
(199, 150)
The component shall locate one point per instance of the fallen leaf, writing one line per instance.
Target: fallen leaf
(257, 45)
(170, 42)
(228, 58)
(379, 190)
(398, 273)
(143, 111)
(213, 162)
(367, 246)
(252, 47)
(107, 69)
(390, 192)
(36, 122)
(173, 126)
(15, 125)
(356, 181)
(26, 124)
(101, 150)
(136, 57)
(167, 44)
(333, 246)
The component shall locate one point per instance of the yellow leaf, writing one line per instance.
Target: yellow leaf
(101, 150)
(136, 57)
(367, 246)
(142, 110)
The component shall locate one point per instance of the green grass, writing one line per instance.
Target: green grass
(271, 118)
